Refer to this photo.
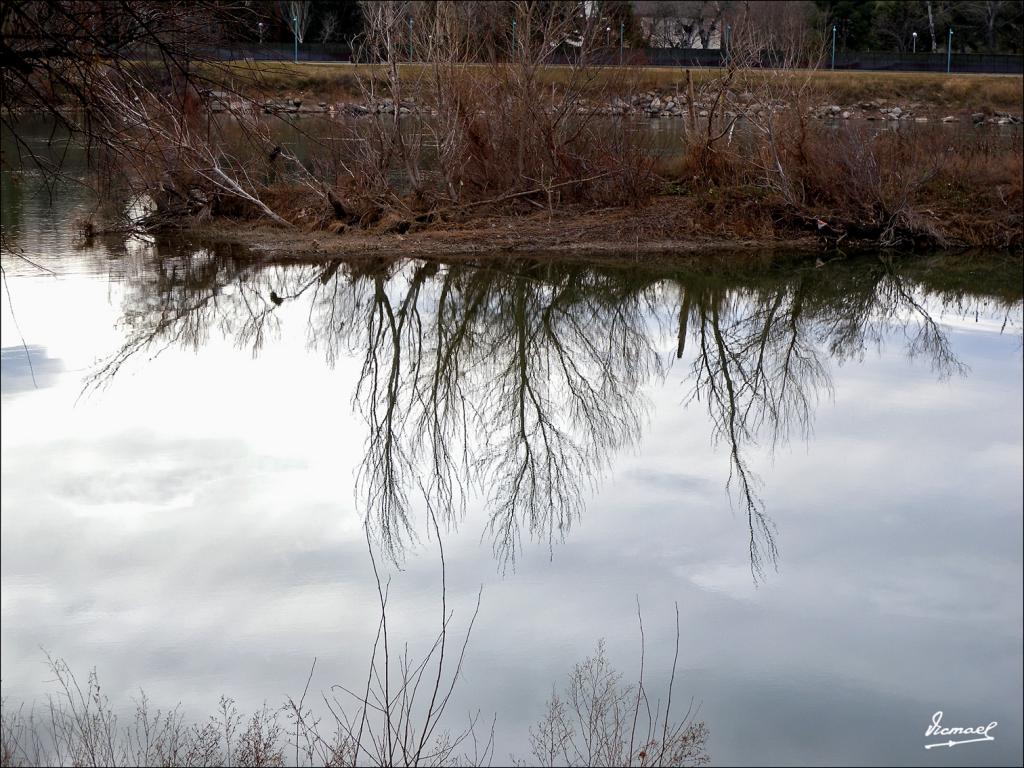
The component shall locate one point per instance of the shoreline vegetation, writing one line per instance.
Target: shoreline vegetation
(472, 159)
(771, 178)
(474, 149)
(334, 87)
(596, 719)
(397, 714)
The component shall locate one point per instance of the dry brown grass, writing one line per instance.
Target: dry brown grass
(955, 91)
(919, 188)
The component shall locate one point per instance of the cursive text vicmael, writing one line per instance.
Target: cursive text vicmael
(936, 729)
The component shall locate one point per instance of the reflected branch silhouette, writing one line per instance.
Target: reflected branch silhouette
(565, 397)
(393, 345)
(518, 384)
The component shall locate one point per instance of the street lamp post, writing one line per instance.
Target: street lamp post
(259, 26)
(914, 36)
(513, 38)
(410, 38)
(607, 37)
(295, 30)
(833, 46)
(728, 41)
(949, 51)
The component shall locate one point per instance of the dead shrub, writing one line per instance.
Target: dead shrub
(906, 187)
(498, 130)
(699, 166)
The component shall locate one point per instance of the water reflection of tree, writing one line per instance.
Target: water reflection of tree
(518, 384)
(521, 383)
(760, 365)
(757, 369)
(176, 300)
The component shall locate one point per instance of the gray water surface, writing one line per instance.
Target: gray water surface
(820, 466)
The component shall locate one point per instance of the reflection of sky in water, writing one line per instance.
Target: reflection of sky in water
(25, 367)
(191, 528)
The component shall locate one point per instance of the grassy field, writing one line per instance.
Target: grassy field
(331, 81)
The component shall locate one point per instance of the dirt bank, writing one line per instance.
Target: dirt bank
(660, 229)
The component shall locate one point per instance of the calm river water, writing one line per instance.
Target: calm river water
(820, 467)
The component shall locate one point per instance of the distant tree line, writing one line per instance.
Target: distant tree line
(990, 26)
(979, 26)
(341, 21)
(316, 21)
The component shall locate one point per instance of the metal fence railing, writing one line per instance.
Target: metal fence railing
(869, 61)
(671, 57)
(994, 63)
(283, 52)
